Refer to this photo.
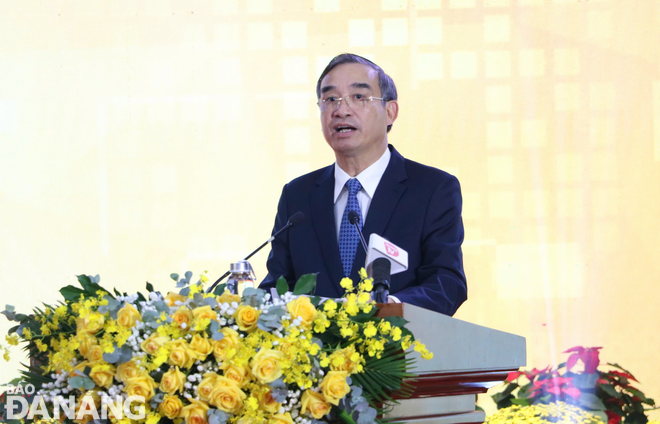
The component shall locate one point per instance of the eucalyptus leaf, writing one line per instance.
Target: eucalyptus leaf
(161, 306)
(76, 382)
(277, 384)
(88, 383)
(113, 356)
(279, 395)
(317, 341)
(210, 302)
(125, 355)
(174, 276)
(184, 291)
(367, 416)
(216, 416)
(157, 399)
(150, 316)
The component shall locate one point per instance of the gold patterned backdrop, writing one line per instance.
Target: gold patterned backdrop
(139, 138)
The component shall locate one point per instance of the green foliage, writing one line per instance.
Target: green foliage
(306, 284)
(282, 286)
(606, 392)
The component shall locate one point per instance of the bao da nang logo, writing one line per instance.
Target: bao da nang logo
(20, 402)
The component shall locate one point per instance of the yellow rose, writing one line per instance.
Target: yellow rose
(142, 385)
(246, 318)
(315, 404)
(171, 407)
(86, 343)
(238, 373)
(94, 354)
(201, 345)
(128, 370)
(182, 316)
(302, 308)
(102, 374)
(267, 365)
(282, 419)
(268, 404)
(206, 386)
(204, 312)
(227, 396)
(181, 354)
(153, 343)
(228, 298)
(128, 316)
(172, 381)
(226, 348)
(91, 323)
(334, 386)
(195, 413)
(172, 298)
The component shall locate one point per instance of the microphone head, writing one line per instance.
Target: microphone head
(297, 218)
(381, 269)
(353, 217)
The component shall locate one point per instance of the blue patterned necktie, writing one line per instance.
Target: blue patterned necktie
(348, 234)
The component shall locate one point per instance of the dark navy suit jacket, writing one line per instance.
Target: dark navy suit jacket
(416, 207)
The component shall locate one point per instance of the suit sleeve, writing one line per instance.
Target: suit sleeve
(279, 260)
(441, 284)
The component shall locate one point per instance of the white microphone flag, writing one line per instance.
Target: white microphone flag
(382, 248)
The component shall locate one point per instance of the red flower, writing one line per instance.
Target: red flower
(514, 375)
(589, 357)
(531, 375)
(612, 418)
(573, 392)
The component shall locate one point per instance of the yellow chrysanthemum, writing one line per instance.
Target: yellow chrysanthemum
(543, 414)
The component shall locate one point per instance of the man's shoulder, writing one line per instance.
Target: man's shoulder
(427, 173)
(310, 180)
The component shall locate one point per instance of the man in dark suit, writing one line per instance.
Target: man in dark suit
(414, 206)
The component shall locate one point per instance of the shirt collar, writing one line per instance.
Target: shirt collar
(369, 178)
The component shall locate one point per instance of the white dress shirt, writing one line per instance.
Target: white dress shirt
(369, 179)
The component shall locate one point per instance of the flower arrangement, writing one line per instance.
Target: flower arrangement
(215, 358)
(559, 412)
(607, 393)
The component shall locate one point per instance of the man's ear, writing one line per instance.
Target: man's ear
(392, 110)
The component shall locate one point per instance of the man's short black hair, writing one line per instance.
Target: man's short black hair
(385, 82)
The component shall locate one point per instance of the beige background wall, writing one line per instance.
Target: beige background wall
(139, 138)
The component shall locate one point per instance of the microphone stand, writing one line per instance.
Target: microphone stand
(296, 217)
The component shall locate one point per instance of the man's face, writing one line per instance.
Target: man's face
(352, 131)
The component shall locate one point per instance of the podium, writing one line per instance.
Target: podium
(468, 360)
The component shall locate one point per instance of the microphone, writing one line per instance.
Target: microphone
(294, 219)
(354, 218)
(381, 274)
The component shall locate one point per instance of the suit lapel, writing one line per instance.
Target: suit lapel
(323, 220)
(382, 206)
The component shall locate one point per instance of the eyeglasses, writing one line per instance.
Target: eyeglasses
(354, 101)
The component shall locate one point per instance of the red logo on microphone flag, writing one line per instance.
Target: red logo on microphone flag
(391, 249)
